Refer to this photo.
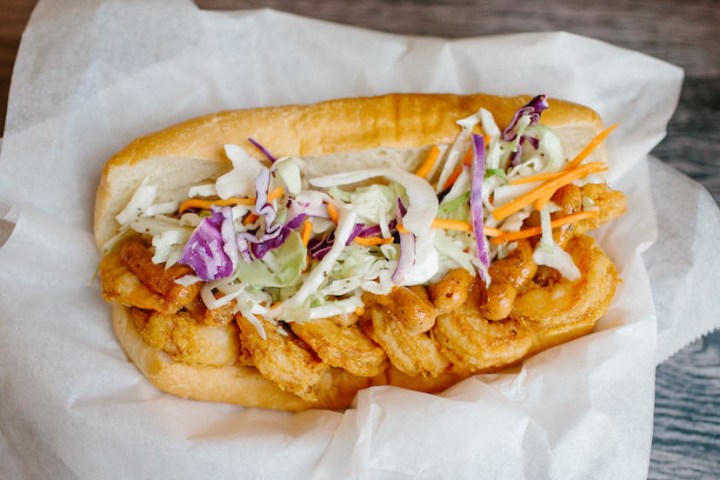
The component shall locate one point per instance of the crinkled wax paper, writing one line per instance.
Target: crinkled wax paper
(91, 76)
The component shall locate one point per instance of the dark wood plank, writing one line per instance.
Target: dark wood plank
(686, 441)
(679, 32)
(14, 15)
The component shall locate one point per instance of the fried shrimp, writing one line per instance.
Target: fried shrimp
(553, 304)
(472, 342)
(414, 354)
(610, 203)
(282, 359)
(342, 347)
(156, 277)
(122, 286)
(186, 341)
(571, 199)
(218, 316)
(507, 275)
(413, 310)
(451, 291)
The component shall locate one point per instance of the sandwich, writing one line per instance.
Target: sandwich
(288, 257)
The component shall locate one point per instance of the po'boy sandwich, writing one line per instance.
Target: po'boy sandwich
(288, 257)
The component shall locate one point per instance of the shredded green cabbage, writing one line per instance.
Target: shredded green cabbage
(280, 267)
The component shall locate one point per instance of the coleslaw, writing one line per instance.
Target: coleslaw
(288, 248)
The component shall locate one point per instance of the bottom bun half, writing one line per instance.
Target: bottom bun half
(227, 384)
(241, 385)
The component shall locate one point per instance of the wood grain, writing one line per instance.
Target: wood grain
(14, 15)
(686, 443)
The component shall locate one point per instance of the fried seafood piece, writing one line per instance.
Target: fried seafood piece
(413, 310)
(342, 347)
(282, 359)
(451, 291)
(507, 276)
(571, 198)
(119, 285)
(472, 342)
(156, 277)
(412, 353)
(217, 316)
(553, 305)
(186, 341)
(611, 203)
(346, 319)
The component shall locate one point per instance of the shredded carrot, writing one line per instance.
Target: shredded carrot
(540, 177)
(467, 160)
(492, 231)
(248, 202)
(306, 232)
(541, 202)
(547, 188)
(429, 162)
(250, 218)
(532, 231)
(447, 224)
(594, 143)
(275, 194)
(332, 211)
(372, 241)
(198, 203)
(453, 177)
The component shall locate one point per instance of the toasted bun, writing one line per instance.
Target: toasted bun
(332, 136)
(227, 384)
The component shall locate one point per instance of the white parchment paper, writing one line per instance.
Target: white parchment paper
(91, 76)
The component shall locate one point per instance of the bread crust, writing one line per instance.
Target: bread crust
(227, 384)
(191, 151)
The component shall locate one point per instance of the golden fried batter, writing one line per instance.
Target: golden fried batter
(414, 311)
(568, 199)
(556, 303)
(472, 343)
(186, 341)
(611, 203)
(217, 316)
(571, 198)
(507, 275)
(282, 359)
(157, 278)
(499, 299)
(451, 291)
(346, 319)
(342, 347)
(121, 286)
(517, 268)
(414, 354)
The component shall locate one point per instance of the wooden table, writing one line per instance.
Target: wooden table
(686, 443)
